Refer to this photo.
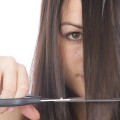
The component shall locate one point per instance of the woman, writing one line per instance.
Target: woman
(77, 54)
(75, 35)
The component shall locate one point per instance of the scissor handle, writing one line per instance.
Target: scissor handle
(20, 101)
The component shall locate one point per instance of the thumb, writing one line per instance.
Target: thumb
(30, 112)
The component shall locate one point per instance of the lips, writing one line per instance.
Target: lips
(82, 75)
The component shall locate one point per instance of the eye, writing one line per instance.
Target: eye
(75, 36)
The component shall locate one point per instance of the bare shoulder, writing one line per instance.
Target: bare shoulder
(15, 115)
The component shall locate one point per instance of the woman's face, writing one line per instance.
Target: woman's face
(71, 41)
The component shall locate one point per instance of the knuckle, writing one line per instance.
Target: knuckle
(22, 67)
(24, 88)
(9, 62)
(8, 92)
(10, 58)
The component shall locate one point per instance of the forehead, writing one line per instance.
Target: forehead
(72, 11)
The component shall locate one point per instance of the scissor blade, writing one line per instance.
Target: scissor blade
(79, 99)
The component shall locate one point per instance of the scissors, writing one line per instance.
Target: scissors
(31, 99)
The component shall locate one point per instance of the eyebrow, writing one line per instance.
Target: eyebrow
(73, 24)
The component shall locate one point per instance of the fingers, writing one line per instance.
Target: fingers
(13, 79)
(30, 112)
(23, 82)
(22, 90)
(14, 83)
(8, 79)
(9, 82)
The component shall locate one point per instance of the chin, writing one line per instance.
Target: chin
(76, 86)
(78, 92)
(79, 89)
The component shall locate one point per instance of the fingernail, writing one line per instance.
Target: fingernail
(2, 109)
(10, 109)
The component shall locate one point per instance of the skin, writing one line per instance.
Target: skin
(72, 45)
(71, 42)
(15, 74)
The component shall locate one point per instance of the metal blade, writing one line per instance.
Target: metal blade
(79, 99)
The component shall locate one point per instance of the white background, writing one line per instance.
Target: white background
(19, 24)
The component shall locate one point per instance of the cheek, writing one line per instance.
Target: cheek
(73, 67)
(73, 59)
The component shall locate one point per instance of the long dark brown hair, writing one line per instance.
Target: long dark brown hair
(101, 44)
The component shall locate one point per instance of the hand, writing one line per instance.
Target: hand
(14, 83)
